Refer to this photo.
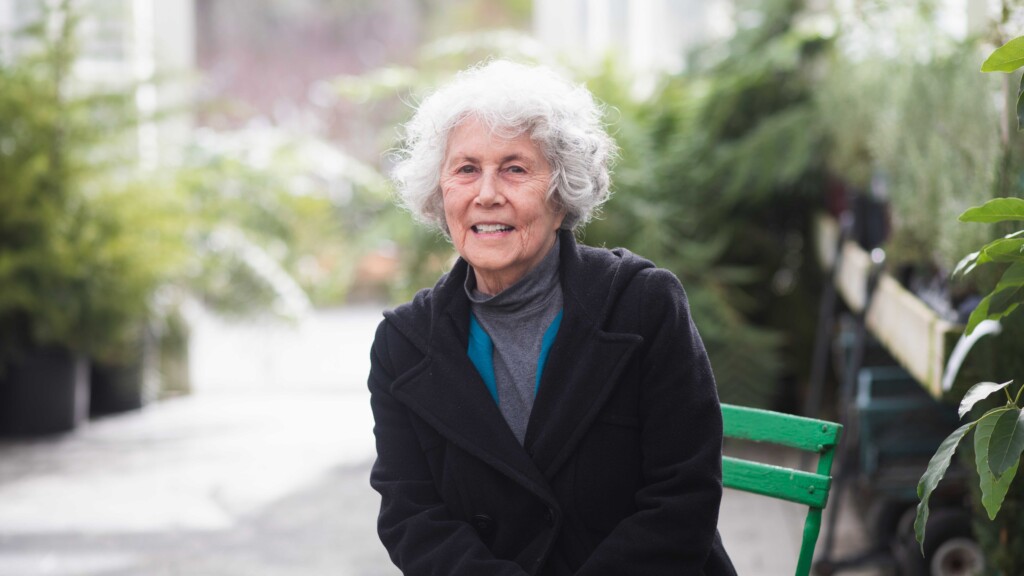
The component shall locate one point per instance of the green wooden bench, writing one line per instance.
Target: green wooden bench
(808, 488)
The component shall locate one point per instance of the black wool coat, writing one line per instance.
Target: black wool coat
(620, 470)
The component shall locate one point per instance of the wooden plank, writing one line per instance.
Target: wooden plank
(912, 332)
(827, 236)
(851, 278)
(784, 483)
(797, 432)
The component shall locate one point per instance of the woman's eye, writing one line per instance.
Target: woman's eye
(468, 169)
(517, 169)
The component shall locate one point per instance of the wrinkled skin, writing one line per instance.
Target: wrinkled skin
(495, 203)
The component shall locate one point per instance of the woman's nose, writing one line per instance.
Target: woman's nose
(489, 193)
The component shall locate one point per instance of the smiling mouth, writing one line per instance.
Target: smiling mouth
(491, 228)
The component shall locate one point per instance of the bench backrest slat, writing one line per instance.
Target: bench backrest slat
(808, 488)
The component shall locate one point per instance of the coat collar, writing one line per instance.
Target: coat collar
(582, 368)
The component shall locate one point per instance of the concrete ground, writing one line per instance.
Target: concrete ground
(262, 471)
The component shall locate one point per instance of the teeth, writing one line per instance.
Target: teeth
(485, 228)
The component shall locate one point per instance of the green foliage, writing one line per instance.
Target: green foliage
(84, 242)
(977, 393)
(993, 488)
(998, 444)
(719, 173)
(995, 210)
(999, 433)
(665, 207)
(915, 126)
(273, 215)
(1008, 292)
(1007, 441)
(1008, 58)
(937, 467)
(999, 536)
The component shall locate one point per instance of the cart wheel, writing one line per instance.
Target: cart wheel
(949, 547)
(958, 557)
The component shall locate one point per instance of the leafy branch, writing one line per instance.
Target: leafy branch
(998, 444)
(999, 432)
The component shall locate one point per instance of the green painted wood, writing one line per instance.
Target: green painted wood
(812, 527)
(784, 429)
(775, 481)
(825, 460)
(809, 488)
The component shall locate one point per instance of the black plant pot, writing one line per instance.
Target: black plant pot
(44, 392)
(116, 388)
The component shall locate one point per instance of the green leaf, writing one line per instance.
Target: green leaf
(966, 265)
(1013, 276)
(993, 490)
(937, 467)
(979, 392)
(979, 313)
(1005, 300)
(1007, 441)
(1003, 250)
(1006, 58)
(995, 210)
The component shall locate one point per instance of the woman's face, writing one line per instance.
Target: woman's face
(494, 191)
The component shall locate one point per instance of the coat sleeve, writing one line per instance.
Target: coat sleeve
(675, 524)
(414, 524)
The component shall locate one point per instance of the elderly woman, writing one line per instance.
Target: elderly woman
(546, 408)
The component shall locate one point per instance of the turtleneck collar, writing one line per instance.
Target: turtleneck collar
(529, 292)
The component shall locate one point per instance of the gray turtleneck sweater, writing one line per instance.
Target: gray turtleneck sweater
(516, 320)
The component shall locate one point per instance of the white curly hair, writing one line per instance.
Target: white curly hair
(562, 118)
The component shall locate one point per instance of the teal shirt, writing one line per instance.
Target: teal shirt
(481, 353)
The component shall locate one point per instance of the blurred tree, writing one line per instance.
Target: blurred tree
(721, 170)
(84, 241)
(275, 218)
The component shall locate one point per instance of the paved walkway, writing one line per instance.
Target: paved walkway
(262, 471)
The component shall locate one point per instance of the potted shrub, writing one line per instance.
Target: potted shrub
(131, 244)
(77, 257)
(35, 246)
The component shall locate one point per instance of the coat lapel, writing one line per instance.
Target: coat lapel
(446, 390)
(582, 370)
(585, 362)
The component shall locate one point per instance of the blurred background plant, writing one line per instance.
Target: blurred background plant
(915, 127)
(276, 217)
(721, 170)
(99, 251)
(282, 206)
(911, 126)
(79, 231)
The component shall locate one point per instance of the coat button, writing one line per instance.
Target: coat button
(483, 524)
(549, 517)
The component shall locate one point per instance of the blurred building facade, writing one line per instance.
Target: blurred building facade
(654, 36)
(125, 43)
(649, 36)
